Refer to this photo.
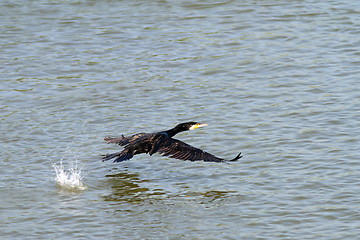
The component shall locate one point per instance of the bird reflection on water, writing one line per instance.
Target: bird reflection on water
(127, 187)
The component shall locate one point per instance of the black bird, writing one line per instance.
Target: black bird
(163, 143)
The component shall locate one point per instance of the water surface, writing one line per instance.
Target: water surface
(275, 80)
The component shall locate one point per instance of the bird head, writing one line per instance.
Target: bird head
(190, 126)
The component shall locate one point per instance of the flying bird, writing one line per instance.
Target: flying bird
(162, 143)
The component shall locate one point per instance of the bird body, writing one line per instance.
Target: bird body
(163, 143)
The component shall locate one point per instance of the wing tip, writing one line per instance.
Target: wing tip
(236, 158)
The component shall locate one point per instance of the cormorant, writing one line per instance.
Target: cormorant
(163, 143)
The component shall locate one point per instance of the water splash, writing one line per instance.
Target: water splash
(69, 179)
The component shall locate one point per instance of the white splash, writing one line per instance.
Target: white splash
(70, 179)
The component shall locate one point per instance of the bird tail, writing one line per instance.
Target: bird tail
(119, 156)
(236, 158)
(120, 140)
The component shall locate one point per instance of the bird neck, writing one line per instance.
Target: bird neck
(172, 132)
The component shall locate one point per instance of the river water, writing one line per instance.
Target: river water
(277, 80)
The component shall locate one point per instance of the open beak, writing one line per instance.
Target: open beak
(198, 125)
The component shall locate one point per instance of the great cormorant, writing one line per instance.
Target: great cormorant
(163, 143)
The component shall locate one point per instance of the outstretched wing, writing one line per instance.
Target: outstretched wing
(122, 141)
(177, 149)
(119, 156)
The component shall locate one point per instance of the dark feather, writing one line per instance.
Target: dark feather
(174, 148)
(122, 141)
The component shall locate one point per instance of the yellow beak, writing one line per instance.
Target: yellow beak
(198, 125)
